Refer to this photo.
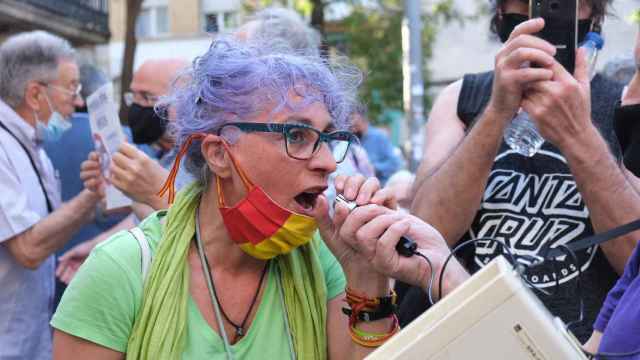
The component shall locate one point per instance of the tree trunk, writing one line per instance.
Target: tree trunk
(317, 16)
(130, 42)
(317, 22)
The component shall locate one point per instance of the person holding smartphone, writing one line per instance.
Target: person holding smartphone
(472, 185)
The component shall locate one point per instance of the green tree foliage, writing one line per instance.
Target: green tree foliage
(635, 16)
(372, 38)
(304, 7)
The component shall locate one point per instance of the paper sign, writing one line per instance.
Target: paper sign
(107, 136)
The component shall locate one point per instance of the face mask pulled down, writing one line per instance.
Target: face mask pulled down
(261, 227)
(55, 127)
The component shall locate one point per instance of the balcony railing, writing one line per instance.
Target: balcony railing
(90, 15)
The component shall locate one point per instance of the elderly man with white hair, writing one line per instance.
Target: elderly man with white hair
(39, 88)
(281, 27)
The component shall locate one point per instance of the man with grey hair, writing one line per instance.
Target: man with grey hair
(39, 88)
(278, 25)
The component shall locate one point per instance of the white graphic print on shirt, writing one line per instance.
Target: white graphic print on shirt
(532, 213)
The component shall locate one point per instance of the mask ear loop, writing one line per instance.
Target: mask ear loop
(169, 184)
(245, 179)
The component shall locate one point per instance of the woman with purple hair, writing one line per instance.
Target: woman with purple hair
(238, 269)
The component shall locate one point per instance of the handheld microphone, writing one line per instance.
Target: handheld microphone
(405, 247)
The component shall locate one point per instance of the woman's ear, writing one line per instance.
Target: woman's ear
(215, 155)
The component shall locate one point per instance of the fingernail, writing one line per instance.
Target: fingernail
(403, 225)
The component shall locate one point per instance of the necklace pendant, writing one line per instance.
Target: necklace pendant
(239, 332)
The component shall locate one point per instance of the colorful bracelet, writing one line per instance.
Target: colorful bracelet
(362, 308)
(354, 298)
(368, 339)
(368, 316)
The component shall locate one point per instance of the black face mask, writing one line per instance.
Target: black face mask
(627, 126)
(509, 21)
(146, 126)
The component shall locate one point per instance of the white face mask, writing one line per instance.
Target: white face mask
(54, 128)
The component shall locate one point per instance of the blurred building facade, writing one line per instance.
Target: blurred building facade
(83, 22)
(166, 28)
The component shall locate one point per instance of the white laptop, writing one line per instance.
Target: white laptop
(493, 315)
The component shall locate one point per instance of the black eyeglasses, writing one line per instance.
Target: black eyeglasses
(302, 142)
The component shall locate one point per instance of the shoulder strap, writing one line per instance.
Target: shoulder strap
(33, 165)
(596, 239)
(145, 250)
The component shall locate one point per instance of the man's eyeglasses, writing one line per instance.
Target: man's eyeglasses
(73, 93)
(142, 98)
(302, 142)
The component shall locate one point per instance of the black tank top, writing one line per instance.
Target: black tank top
(533, 203)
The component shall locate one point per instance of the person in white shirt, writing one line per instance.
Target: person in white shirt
(39, 88)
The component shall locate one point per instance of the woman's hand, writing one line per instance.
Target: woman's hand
(342, 232)
(364, 242)
(415, 270)
(365, 191)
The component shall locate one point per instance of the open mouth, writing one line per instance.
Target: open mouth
(307, 199)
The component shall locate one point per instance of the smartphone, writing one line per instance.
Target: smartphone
(560, 29)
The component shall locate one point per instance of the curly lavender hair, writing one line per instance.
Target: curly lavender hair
(236, 81)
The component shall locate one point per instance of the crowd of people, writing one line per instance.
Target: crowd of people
(234, 247)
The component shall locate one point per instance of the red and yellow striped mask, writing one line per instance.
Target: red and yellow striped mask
(261, 227)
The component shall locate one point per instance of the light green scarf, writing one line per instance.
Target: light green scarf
(159, 329)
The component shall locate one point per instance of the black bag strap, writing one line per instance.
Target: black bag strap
(596, 239)
(33, 164)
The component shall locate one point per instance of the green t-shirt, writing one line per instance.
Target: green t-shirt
(103, 299)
